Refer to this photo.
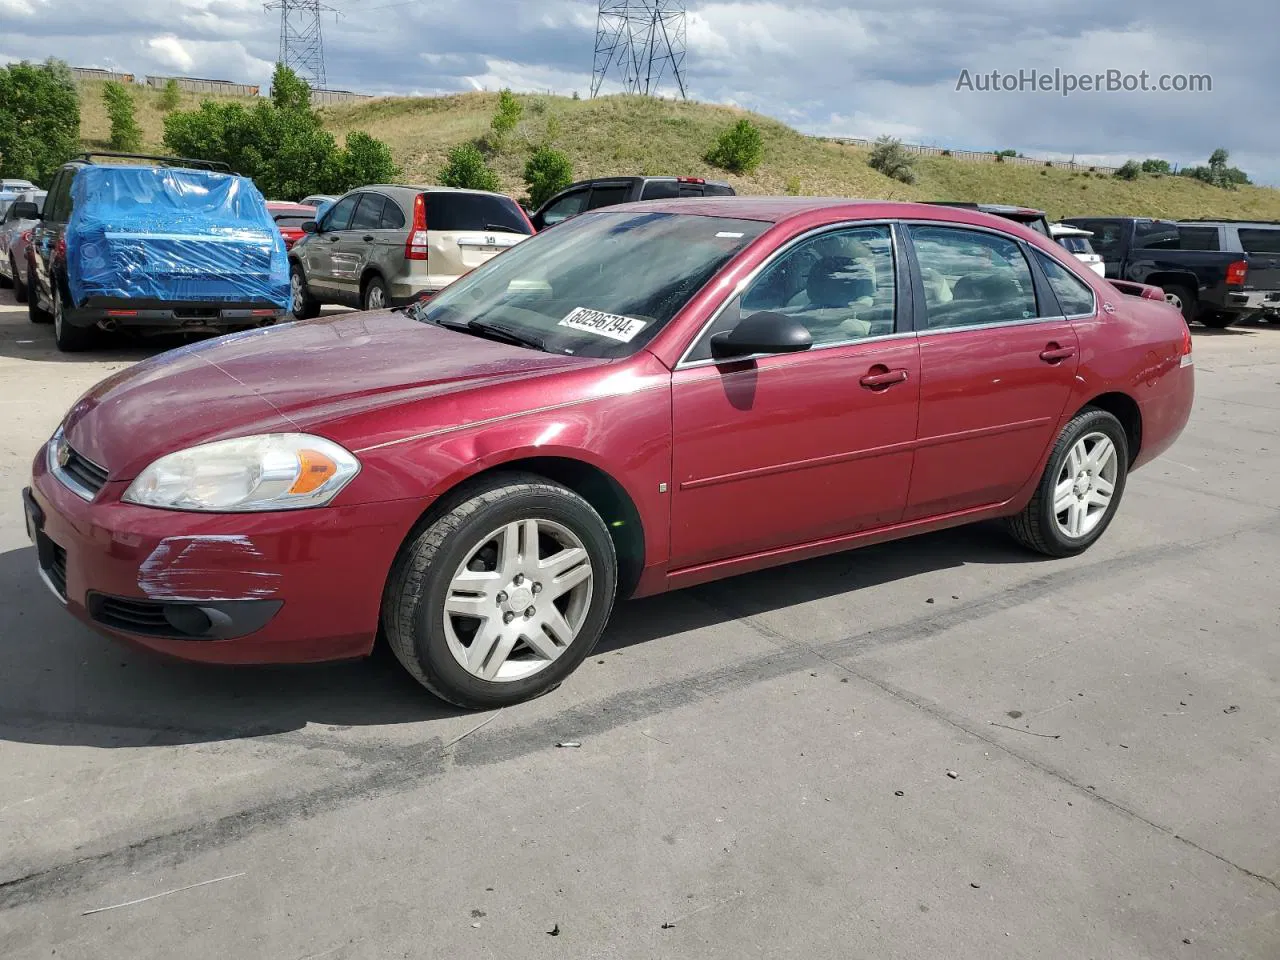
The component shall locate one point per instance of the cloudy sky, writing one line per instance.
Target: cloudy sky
(877, 66)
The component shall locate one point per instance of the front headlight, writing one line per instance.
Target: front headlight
(276, 471)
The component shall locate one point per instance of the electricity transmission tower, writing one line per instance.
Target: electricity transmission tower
(301, 41)
(641, 40)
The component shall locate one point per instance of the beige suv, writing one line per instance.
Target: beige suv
(386, 245)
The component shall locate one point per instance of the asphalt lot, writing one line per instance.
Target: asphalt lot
(763, 768)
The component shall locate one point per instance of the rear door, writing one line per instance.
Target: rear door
(997, 364)
(1107, 241)
(466, 229)
(49, 230)
(1262, 243)
(610, 194)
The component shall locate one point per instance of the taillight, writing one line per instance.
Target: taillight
(61, 248)
(415, 248)
(26, 236)
(1237, 272)
(1185, 359)
(690, 180)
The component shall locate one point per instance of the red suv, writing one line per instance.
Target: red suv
(646, 397)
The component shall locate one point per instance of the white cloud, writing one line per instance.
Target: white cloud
(170, 52)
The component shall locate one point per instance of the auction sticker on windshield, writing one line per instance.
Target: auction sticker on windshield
(610, 325)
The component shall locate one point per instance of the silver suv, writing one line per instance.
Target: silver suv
(386, 245)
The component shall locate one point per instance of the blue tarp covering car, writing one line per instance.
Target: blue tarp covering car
(173, 235)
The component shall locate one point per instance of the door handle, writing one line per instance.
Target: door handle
(881, 377)
(1056, 354)
(367, 238)
(332, 239)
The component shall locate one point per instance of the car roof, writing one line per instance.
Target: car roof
(779, 209)
(288, 206)
(426, 188)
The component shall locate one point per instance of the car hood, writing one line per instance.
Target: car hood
(309, 376)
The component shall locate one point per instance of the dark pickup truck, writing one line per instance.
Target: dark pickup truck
(1201, 266)
(607, 191)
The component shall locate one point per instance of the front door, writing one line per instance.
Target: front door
(997, 365)
(791, 449)
(317, 252)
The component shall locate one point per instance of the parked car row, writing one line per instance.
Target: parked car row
(18, 214)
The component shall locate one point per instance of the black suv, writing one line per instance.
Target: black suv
(150, 255)
(608, 191)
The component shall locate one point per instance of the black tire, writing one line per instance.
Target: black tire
(69, 339)
(413, 602)
(1036, 527)
(1217, 320)
(5, 282)
(34, 312)
(19, 288)
(301, 303)
(375, 289)
(1186, 299)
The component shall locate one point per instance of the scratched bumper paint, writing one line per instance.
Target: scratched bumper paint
(328, 566)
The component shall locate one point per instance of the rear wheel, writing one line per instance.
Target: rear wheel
(1183, 298)
(300, 301)
(19, 288)
(69, 339)
(6, 282)
(36, 314)
(375, 294)
(500, 599)
(1081, 487)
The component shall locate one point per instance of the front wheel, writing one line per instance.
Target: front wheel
(1182, 298)
(1217, 320)
(301, 303)
(34, 311)
(1081, 487)
(375, 294)
(500, 599)
(19, 288)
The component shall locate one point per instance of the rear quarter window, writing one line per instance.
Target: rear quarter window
(1260, 239)
(1198, 238)
(454, 212)
(660, 190)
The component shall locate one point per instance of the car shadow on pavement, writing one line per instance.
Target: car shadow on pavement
(63, 684)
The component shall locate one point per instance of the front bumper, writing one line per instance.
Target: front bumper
(294, 586)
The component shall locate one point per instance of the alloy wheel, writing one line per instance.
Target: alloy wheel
(1085, 486)
(375, 298)
(1173, 300)
(295, 292)
(518, 600)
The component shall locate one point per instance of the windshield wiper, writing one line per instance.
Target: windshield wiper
(499, 228)
(517, 337)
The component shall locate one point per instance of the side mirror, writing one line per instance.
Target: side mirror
(764, 332)
(24, 210)
(310, 226)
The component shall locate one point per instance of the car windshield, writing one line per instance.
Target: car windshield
(600, 285)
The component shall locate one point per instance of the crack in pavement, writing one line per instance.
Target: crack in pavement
(409, 767)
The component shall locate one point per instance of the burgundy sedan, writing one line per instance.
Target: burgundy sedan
(647, 397)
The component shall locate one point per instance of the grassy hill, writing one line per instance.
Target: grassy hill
(639, 135)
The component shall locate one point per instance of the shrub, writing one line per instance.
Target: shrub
(126, 135)
(738, 149)
(891, 158)
(507, 116)
(1217, 173)
(793, 186)
(39, 119)
(946, 153)
(171, 96)
(465, 168)
(1155, 165)
(546, 174)
(1129, 170)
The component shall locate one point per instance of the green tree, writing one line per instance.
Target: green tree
(126, 135)
(505, 119)
(280, 143)
(288, 90)
(465, 168)
(1217, 173)
(1155, 165)
(891, 158)
(546, 174)
(39, 119)
(738, 149)
(171, 96)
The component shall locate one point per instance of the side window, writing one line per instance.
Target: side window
(660, 190)
(1198, 238)
(1155, 235)
(368, 215)
(567, 206)
(1074, 295)
(392, 216)
(1260, 240)
(840, 285)
(1106, 236)
(339, 215)
(59, 197)
(972, 278)
(608, 196)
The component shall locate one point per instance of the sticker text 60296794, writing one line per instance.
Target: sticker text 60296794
(610, 325)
